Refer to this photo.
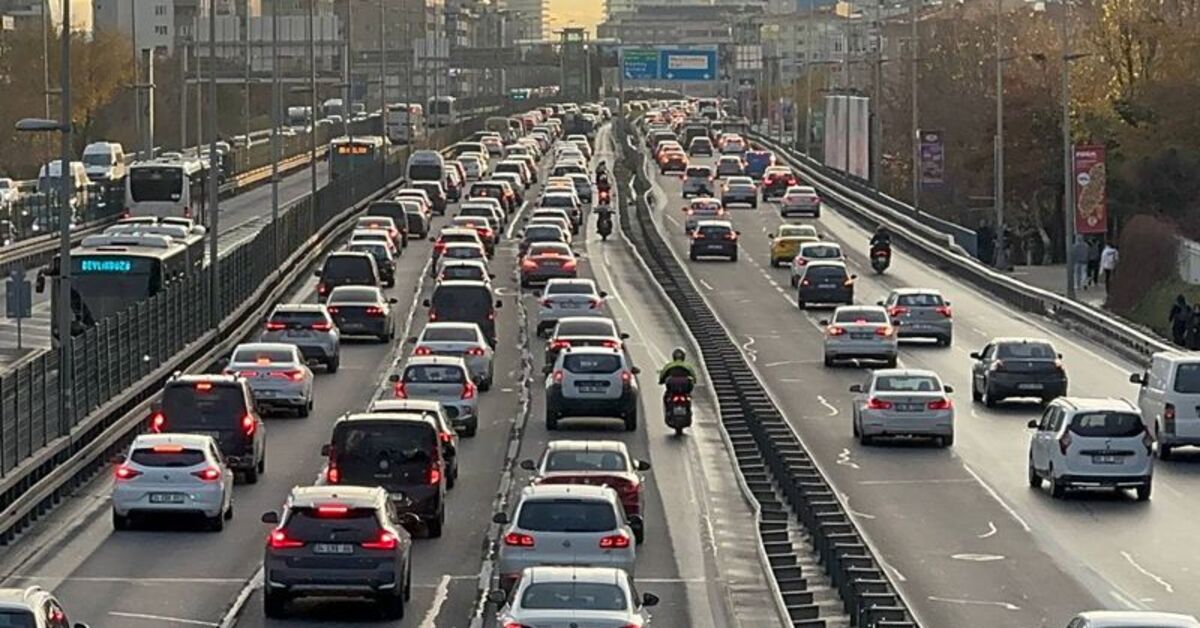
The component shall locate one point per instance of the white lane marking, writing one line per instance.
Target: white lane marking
(439, 598)
(513, 220)
(900, 482)
(977, 558)
(673, 220)
(895, 572)
(172, 620)
(996, 496)
(832, 410)
(949, 600)
(844, 460)
(750, 353)
(1145, 572)
(990, 533)
(1126, 602)
(133, 580)
(706, 285)
(229, 620)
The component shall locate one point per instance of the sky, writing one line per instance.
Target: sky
(586, 13)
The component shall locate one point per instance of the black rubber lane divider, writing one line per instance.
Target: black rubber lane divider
(769, 454)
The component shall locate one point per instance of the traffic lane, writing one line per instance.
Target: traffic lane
(951, 565)
(256, 201)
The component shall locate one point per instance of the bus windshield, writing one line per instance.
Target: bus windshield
(441, 106)
(156, 184)
(105, 285)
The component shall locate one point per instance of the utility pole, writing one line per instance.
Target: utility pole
(1001, 257)
(312, 86)
(137, 75)
(916, 118)
(46, 55)
(1068, 150)
(876, 141)
(214, 210)
(383, 102)
(66, 366)
(246, 50)
(276, 122)
(808, 70)
(183, 95)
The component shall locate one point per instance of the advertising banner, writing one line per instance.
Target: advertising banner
(933, 157)
(1091, 203)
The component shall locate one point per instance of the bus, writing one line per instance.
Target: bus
(299, 117)
(166, 189)
(181, 230)
(111, 272)
(404, 123)
(443, 111)
(349, 153)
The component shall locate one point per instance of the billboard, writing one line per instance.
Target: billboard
(847, 134)
(657, 64)
(639, 64)
(1091, 205)
(933, 157)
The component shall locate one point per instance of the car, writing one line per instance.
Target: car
(714, 238)
(468, 269)
(418, 219)
(921, 313)
(363, 311)
(393, 210)
(568, 297)
(474, 167)
(443, 378)
(565, 525)
(542, 233)
(1132, 619)
(705, 208)
(825, 282)
(800, 199)
(757, 162)
(568, 201)
(453, 235)
(739, 190)
(375, 235)
(33, 607)
(1017, 367)
(903, 402)
(173, 474)
(385, 262)
(697, 181)
(462, 340)
(385, 224)
(555, 221)
(221, 406)
(700, 146)
(417, 196)
(337, 541)
(488, 208)
(1169, 398)
(436, 191)
(591, 382)
(438, 415)
(484, 228)
(310, 328)
(277, 373)
(786, 242)
(1091, 443)
(732, 145)
(814, 252)
(583, 187)
(583, 331)
(498, 190)
(513, 183)
(860, 332)
(465, 302)
(776, 181)
(672, 161)
(547, 260)
(346, 268)
(398, 451)
(594, 462)
(458, 251)
(581, 596)
(730, 166)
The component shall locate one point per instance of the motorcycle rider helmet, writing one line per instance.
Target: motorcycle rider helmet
(678, 354)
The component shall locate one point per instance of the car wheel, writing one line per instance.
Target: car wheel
(801, 304)
(472, 428)
(733, 258)
(274, 604)
(792, 280)
(631, 420)
(229, 511)
(989, 397)
(1058, 490)
(485, 384)
(451, 480)
(976, 396)
(251, 475)
(828, 361)
(891, 361)
(1035, 480)
(551, 421)
(408, 582)
(692, 256)
(121, 522)
(1164, 451)
(332, 365)
(1143, 492)
(754, 205)
(435, 526)
(215, 523)
(305, 409)
(865, 441)
(854, 427)
(946, 441)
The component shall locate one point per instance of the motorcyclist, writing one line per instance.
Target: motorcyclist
(677, 376)
(881, 240)
(602, 182)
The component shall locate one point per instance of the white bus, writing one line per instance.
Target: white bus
(166, 189)
(443, 111)
(404, 123)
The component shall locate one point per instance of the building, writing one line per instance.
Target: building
(532, 18)
(682, 22)
(28, 13)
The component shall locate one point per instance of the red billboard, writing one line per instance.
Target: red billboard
(1091, 203)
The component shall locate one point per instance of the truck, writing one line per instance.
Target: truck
(333, 107)
(299, 117)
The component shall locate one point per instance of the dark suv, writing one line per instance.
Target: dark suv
(436, 193)
(400, 452)
(714, 238)
(346, 268)
(220, 406)
(461, 301)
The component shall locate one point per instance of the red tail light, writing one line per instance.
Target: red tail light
(321, 326)
(211, 474)
(447, 437)
(124, 472)
(384, 541)
(940, 404)
(731, 236)
(248, 425)
(897, 310)
(278, 539)
(595, 303)
(570, 264)
(559, 345)
(878, 404)
(626, 377)
(944, 310)
(835, 330)
(468, 391)
(697, 236)
(321, 287)
(615, 541)
(435, 475)
(157, 421)
(679, 398)
(332, 510)
(374, 311)
(439, 247)
(334, 309)
(558, 377)
(544, 302)
(610, 344)
(475, 351)
(273, 326)
(1169, 418)
(516, 539)
(422, 351)
(1064, 442)
(805, 282)
(400, 390)
(886, 330)
(333, 475)
(528, 264)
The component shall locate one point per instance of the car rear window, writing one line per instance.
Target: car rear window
(573, 596)
(459, 238)
(462, 271)
(462, 252)
(351, 294)
(10, 618)
(863, 316)
(246, 354)
(920, 300)
(697, 171)
(907, 383)
(570, 288)
(1026, 351)
(822, 251)
(299, 318)
(379, 250)
(558, 200)
(346, 266)
(363, 448)
(825, 272)
(332, 524)
(591, 363)
(391, 209)
(567, 515)
(1107, 424)
(461, 300)
(568, 327)
(166, 457)
(715, 231)
(433, 374)
(586, 461)
(550, 249)
(1187, 378)
(203, 406)
(546, 232)
(449, 334)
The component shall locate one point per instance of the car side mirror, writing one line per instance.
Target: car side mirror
(412, 340)
(641, 465)
(975, 355)
(393, 378)
(427, 303)
(497, 596)
(948, 388)
(879, 303)
(546, 370)
(854, 276)
(325, 450)
(528, 465)
(948, 304)
(603, 294)
(856, 388)
(393, 300)
(500, 518)
(1060, 356)
(1032, 424)
(491, 275)
(317, 273)
(770, 236)
(823, 322)
(432, 239)
(271, 517)
(635, 370)
(624, 336)
(1137, 378)
(499, 304)
(649, 599)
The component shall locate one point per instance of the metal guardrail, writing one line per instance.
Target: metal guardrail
(769, 454)
(940, 250)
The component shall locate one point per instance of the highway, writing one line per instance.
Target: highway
(962, 534)
(168, 576)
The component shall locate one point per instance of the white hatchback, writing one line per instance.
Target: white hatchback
(173, 474)
(1091, 443)
(568, 297)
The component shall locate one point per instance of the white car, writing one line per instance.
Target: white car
(860, 332)
(574, 596)
(1132, 619)
(1091, 443)
(8, 191)
(703, 208)
(811, 252)
(173, 474)
(800, 199)
(458, 251)
(474, 167)
(903, 402)
(466, 269)
(277, 373)
(463, 340)
(445, 379)
(568, 297)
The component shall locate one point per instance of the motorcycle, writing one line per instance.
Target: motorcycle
(604, 224)
(603, 197)
(881, 258)
(677, 408)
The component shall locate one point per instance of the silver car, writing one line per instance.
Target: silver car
(860, 332)
(800, 199)
(444, 379)
(568, 297)
(363, 311)
(310, 328)
(698, 181)
(565, 524)
(463, 340)
(565, 597)
(457, 251)
(1132, 619)
(921, 313)
(277, 374)
(739, 190)
(467, 269)
(705, 208)
(903, 402)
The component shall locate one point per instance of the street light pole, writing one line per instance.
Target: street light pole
(383, 103)
(312, 86)
(214, 211)
(137, 75)
(1068, 154)
(276, 122)
(916, 114)
(66, 366)
(1001, 258)
(808, 70)
(246, 50)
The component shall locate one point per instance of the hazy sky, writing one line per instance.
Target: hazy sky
(586, 13)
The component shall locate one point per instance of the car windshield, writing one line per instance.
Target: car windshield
(570, 288)
(907, 383)
(1025, 351)
(920, 300)
(354, 294)
(822, 251)
(574, 596)
(860, 316)
(434, 374)
(251, 354)
(1107, 424)
(591, 363)
(166, 456)
(570, 327)
(349, 266)
(203, 406)
(437, 333)
(586, 461)
(1187, 378)
(566, 515)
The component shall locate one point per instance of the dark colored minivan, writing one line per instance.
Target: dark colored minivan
(220, 406)
(461, 301)
(400, 452)
(346, 268)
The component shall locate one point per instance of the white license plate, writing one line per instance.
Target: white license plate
(333, 548)
(297, 333)
(1105, 459)
(166, 498)
(861, 336)
(265, 393)
(1029, 386)
(910, 407)
(569, 306)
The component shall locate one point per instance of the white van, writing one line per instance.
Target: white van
(48, 180)
(1169, 399)
(426, 165)
(104, 162)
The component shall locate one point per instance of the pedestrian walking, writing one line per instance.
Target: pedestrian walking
(1093, 261)
(1080, 252)
(1179, 318)
(1191, 338)
(1109, 258)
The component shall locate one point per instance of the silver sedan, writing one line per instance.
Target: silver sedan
(862, 332)
(903, 402)
(277, 374)
(583, 596)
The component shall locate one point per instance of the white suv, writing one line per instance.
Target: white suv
(1091, 443)
(592, 382)
(33, 606)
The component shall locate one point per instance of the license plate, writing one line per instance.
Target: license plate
(1029, 386)
(569, 306)
(910, 407)
(714, 247)
(333, 548)
(166, 498)
(679, 411)
(861, 336)
(297, 333)
(590, 389)
(1108, 459)
(265, 393)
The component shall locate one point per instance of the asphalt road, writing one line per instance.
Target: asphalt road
(961, 533)
(167, 576)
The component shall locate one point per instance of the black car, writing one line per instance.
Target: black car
(825, 282)
(346, 268)
(385, 263)
(221, 406)
(1017, 367)
(714, 238)
(461, 301)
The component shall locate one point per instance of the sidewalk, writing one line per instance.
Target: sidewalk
(1054, 279)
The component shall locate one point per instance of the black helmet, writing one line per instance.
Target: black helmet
(678, 354)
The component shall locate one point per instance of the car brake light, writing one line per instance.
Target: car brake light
(125, 472)
(384, 541)
(332, 510)
(545, 302)
(611, 344)
(1169, 418)
(273, 326)
(321, 288)
(897, 310)
(849, 282)
(475, 351)
(322, 326)
(875, 403)
(334, 309)
(559, 345)
(248, 425)
(333, 475)
(447, 437)
(945, 310)
(1064, 442)
(374, 311)
(278, 539)
(886, 330)
(835, 330)
(422, 351)
(614, 541)
(157, 421)
(516, 539)
(626, 377)
(569, 263)
(800, 261)
(528, 264)
(595, 303)
(295, 376)
(697, 235)
(940, 404)
(805, 282)
(435, 475)
(203, 386)
(558, 376)
(468, 390)
(400, 391)
(210, 474)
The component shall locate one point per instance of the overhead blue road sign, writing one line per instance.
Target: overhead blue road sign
(688, 65)
(640, 64)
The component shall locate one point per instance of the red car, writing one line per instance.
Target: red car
(594, 462)
(776, 180)
(544, 261)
